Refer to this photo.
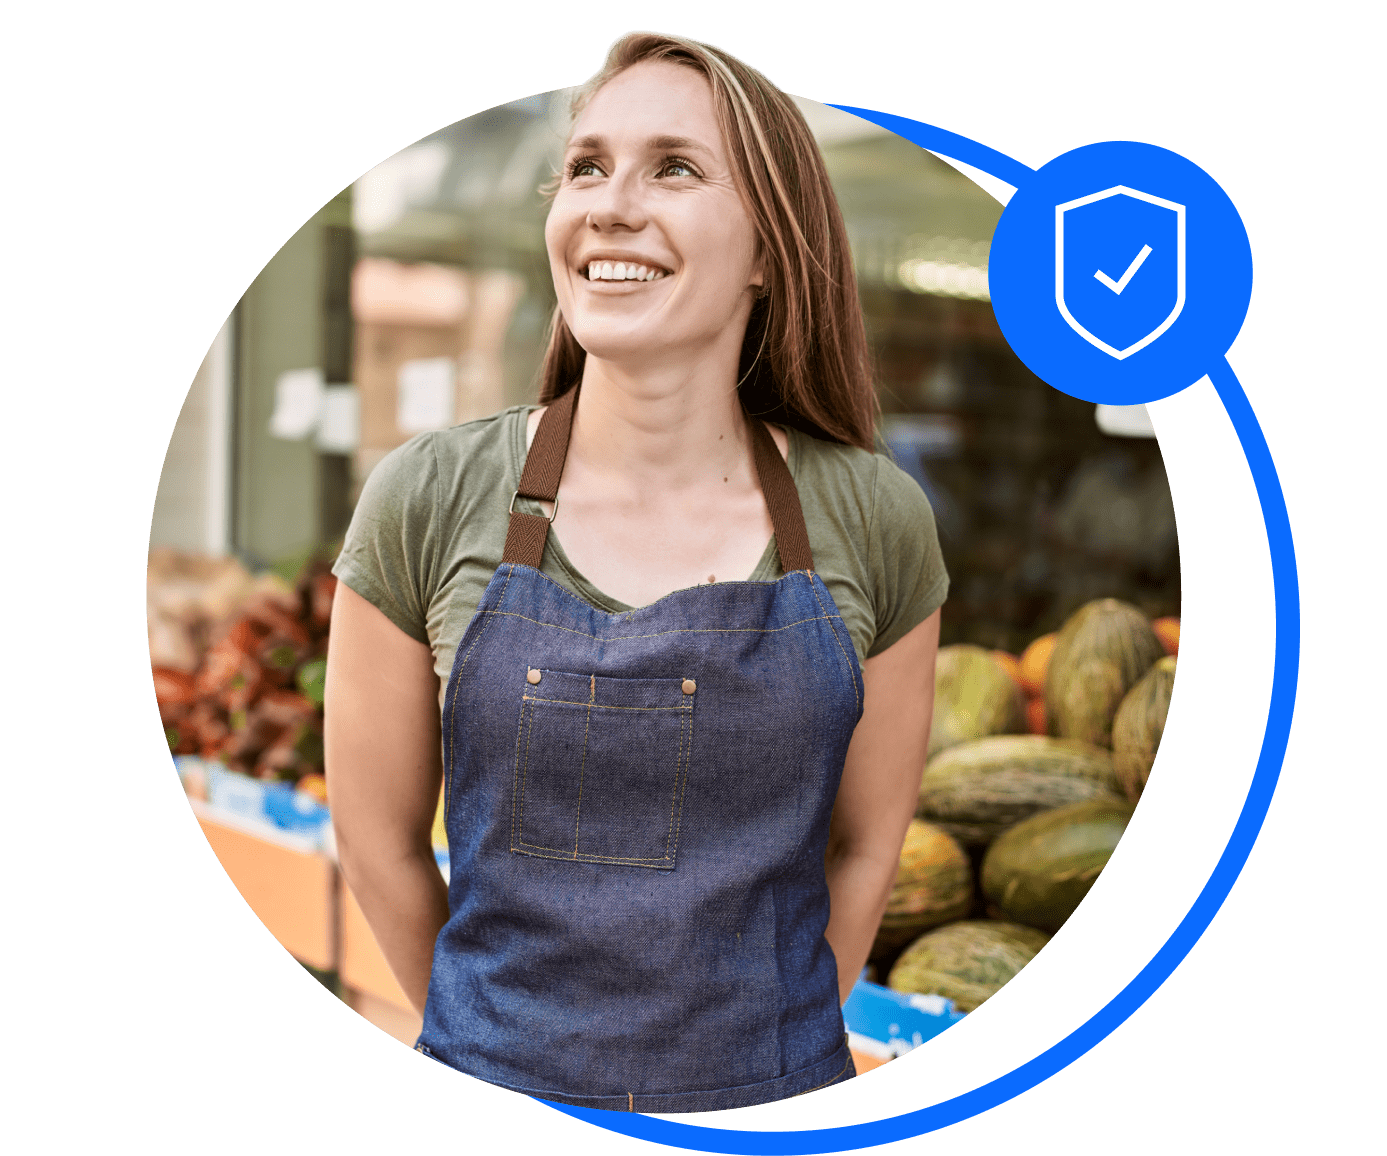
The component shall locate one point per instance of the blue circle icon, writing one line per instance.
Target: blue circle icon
(1120, 273)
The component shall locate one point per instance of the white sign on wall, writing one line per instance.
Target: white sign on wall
(427, 394)
(298, 403)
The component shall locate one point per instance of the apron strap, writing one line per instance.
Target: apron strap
(527, 533)
(782, 500)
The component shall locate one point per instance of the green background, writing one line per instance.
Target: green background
(160, 153)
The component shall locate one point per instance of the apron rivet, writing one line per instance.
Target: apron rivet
(689, 686)
(532, 677)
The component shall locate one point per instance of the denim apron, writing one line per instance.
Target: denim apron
(637, 807)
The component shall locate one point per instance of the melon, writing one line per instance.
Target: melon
(1099, 655)
(1035, 661)
(973, 696)
(978, 789)
(1138, 725)
(1038, 871)
(966, 962)
(934, 885)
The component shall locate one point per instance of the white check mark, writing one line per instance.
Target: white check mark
(1118, 286)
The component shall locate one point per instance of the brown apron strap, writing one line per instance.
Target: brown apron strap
(782, 500)
(527, 533)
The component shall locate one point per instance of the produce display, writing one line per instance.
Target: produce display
(1034, 663)
(1138, 725)
(238, 664)
(977, 789)
(1168, 631)
(1038, 871)
(966, 962)
(974, 696)
(934, 884)
(1099, 655)
(1036, 814)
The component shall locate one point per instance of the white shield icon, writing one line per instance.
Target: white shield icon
(1118, 286)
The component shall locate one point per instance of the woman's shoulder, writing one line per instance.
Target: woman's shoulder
(485, 445)
(463, 458)
(840, 475)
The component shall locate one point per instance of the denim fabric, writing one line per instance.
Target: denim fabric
(637, 896)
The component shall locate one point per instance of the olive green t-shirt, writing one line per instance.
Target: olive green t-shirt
(430, 527)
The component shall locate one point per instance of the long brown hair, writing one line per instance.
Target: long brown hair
(804, 358)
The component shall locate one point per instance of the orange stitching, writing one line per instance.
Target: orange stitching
(663, 633)
(674, 795)
(582, 770)
(826, 1083)
(584, 857)
(599, 705)
(515, 783)
(857, 697)
(529, 734)
(453, 706)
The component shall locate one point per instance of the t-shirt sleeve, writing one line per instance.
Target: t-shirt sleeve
(389, 554)
(906, 563)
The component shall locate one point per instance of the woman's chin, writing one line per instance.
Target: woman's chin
(629, 347)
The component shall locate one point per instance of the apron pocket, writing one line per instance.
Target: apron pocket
(600, 769)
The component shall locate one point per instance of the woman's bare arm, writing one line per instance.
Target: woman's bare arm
(383, 774)
(878, 795)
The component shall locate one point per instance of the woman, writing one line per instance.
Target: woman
(674, 802)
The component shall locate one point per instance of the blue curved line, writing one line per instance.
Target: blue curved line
(1285, 676)
(949, 144)
(1282, 708)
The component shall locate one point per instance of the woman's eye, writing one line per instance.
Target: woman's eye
(677, 168)
(583, 169)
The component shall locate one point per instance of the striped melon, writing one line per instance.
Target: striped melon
(1038, 871)
(966, 962)
(1099, 655)
(934, 885)
(977, 789)
(974, 696)
(1138, 725)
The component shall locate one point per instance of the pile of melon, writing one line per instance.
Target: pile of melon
(1035, 764)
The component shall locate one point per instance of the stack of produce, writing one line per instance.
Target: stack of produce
(967, 961)
(974, 696)
(1099, 655)
(251, 696)
(1138, 725)
(934, 885)
(1038, 871)
(1037, 814)
(976, 790)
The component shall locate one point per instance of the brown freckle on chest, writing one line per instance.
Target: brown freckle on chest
(724, 479)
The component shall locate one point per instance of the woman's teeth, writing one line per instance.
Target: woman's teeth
(622, 271)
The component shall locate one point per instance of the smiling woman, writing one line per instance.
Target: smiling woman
(674, 801)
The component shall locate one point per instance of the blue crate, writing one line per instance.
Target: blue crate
(275, 804)
(886, 1023)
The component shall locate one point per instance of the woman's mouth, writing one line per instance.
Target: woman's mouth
(623, 271)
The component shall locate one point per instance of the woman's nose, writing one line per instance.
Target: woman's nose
(619, 205)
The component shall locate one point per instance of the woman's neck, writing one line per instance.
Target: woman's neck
(659, 430)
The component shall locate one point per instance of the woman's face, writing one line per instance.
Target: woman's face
(652, 250)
